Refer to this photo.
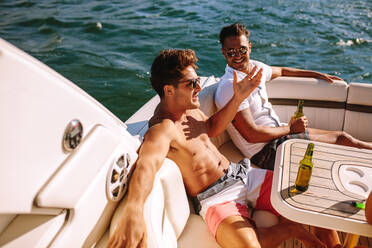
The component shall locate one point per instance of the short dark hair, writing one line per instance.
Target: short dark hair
(168, 66)
(235, 29)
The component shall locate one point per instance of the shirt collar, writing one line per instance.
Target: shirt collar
(241, 75)
(231, 70)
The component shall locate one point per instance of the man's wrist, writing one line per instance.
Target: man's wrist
(134, 207)
(237, 100)
(290, 130)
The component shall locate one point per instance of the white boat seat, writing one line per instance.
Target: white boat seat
(358, 116)
(166, 209)
(32, 230)
(324, 103)
(206, 98)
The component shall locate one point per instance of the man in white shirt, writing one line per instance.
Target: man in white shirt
(256, 129)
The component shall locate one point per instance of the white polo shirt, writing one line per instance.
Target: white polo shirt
(258, 103)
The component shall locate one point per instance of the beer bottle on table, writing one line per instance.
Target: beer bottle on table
(305, 169)
(299, 112)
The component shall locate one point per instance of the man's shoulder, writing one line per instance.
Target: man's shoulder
(267, 71)
(161, 128)
(258, 63)
(224, 90)
(225, 83)
(160, 121)
(227, 76)
(197, 113)
(154, 120)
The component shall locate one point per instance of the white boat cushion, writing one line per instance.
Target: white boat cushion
(307, 88)
(356, 123)
(176, 203)
(196, 234)
(321, 118)
(206, 98)
(310, 89)
(166, 208)
(32, 230)
(360, 94)
(5, 220)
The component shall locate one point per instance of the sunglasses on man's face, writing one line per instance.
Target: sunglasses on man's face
(192, 83)
(233, 52)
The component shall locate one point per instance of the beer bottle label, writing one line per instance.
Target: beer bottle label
(303, 176)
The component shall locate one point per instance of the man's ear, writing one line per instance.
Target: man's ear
(223, 52)
(168, 89)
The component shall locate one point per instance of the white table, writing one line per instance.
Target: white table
(340, 175)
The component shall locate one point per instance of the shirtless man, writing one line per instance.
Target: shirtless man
(179, 131)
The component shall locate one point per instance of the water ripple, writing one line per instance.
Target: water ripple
(107, 47)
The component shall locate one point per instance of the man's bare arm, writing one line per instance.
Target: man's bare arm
(218, 122)
(131, 228)
(294, 72)
(253, 133)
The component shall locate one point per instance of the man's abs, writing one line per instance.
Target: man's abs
(200, 164)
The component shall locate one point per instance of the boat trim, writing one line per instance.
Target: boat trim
(323, 104)
(308, 103)
(358, 108)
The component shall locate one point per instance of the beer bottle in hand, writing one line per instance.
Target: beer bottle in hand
(305, 169)
(299, 112)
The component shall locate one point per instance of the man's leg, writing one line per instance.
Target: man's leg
(236, 231)
(329, 237)
(337, 137)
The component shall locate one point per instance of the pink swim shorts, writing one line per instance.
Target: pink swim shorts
(255, 191)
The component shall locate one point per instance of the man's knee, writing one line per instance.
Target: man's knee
(236, 231)
(252, 243)
(249, 241)
(343, 137)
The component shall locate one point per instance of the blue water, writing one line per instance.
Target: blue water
(107, 47)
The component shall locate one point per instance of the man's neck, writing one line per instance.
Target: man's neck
(246, 70)
(169, 111)
(249, 68)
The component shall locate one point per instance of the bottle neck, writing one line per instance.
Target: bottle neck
(309, 153)
(300, 105)
(299, 111)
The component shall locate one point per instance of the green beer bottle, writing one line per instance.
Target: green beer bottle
(299, 112)
(305, 169)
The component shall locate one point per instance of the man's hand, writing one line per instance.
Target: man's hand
(298, 125)
(130, 231)
(328, 78)
(243, 88)
(294, 72)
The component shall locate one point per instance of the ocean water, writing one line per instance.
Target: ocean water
(107, 47)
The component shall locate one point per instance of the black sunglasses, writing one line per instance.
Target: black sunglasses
(192, 83)
(232, 52)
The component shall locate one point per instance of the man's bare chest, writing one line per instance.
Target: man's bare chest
(192, 133)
